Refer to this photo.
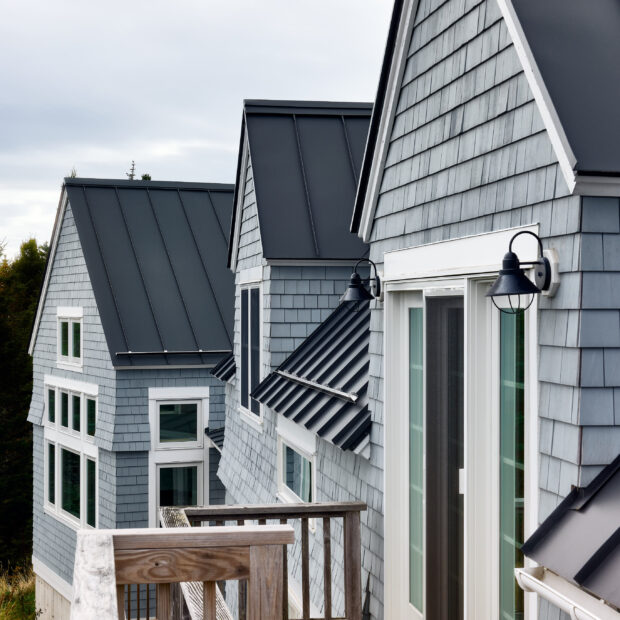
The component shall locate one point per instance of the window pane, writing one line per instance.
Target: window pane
(71, 482)
(51, 473)
(416, 463)
(64, 338)
(64, 409)
(178, 486)
(512, 409)
(297, 474)
(178, 422)
(255, 345)
(77, 332)
(91, 493)
(244, 347)
(75, 403)
(91, 416)
(51, 405)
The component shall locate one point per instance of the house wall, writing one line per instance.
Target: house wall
(468, 153)
(69, 285)
(295, 300)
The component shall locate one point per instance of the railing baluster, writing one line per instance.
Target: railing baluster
(129, 601)
(352, 567)
(262, 521)
(120, 601)
(163, 601)
(243, 591)
(209, 606)
(148, 601)
(138, 602)
(305, 569)
(284, 577)
(327, 567)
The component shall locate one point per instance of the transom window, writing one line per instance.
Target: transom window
(70, 337)
(250, 347)
(70, 460)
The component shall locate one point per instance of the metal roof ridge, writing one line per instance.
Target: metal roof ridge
(139, 184)
(300, 103)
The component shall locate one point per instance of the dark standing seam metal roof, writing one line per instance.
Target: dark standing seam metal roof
(312, 384)
(155, 253)
(576, 46)
(216, 435)
(580, 540)
(225, 369)
(306, 158)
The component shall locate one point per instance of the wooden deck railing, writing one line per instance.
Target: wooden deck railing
(349, 512)
(167, 556)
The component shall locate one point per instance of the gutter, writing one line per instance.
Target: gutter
(577, 603)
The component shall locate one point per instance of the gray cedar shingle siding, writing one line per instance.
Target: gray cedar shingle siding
(296, 299)
(69, 285)
(468, 154)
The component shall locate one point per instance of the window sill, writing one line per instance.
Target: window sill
(66, 365)
(253, 420)
(63, 518)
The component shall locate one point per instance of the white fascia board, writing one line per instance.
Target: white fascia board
(397, 70)
(170, 393)
(52, 578)
(250, 275)
(551, 120)
(475, 254)
(589, 185)
(240, 199)
(577, 603)
(60, 215)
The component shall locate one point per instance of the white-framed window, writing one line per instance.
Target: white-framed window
(69, 339)
(296, 466)
(250, 340)
(178, 460)
(70, 455)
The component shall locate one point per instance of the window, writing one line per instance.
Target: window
(296, 462)
(250, 347)
(70, 454)
(70, 338)
(178, 464)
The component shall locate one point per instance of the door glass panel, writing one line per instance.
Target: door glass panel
(512, 403)
(444, 458)
(91, 493)
(416, 456)
(178, 486)
(71, 482)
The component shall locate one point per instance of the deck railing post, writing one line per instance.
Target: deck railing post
(352, 567)
(265, 582)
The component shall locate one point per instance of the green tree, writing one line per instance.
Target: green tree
(20, 286)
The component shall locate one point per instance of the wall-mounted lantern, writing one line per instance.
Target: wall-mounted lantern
(513, 284)
(357, 291)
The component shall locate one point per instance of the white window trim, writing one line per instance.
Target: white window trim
(452, 265)
(71, 314)
(72, 387)
(177, 455)
(249, 279)
(304, 443)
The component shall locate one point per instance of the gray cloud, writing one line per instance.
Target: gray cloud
(97, 84)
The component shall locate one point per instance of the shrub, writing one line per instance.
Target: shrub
(17, 595)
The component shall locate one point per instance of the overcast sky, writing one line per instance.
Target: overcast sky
(95, 84)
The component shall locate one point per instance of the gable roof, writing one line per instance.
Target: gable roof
(155, 257)
(305, 157)
(580, 540)
(569, 51)
(323, 384)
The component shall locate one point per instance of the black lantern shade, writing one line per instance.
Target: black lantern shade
(357, 291)
(512, 281)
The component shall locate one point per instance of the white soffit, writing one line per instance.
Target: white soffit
(476, 254)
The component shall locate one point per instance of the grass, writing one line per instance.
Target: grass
(17, 595)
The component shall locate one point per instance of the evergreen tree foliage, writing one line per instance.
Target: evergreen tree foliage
(20, 286)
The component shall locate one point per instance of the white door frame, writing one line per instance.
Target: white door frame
(444, 268)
